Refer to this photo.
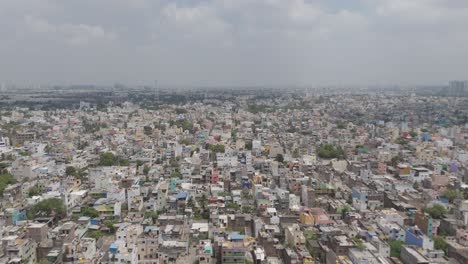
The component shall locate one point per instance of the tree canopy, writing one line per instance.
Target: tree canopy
(46, 207)
(436, 211)
(279, 158)
(219, 148)
(451, 195)
(70, 171)
(5, 180)
(440, 243)
(35, 190)
(90, 212)
(395, 247)
(329, 151)
(109, 159)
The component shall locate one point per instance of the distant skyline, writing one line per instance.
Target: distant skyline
(234, 42)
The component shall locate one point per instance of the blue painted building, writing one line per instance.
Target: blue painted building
(415, 237)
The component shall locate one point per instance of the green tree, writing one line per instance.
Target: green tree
(190, 202)
(248, 145)
(395, 247)
(176, 174)
(81, 173)
(310, 235)
(413, 134)
(107, 159)
(436, 211)
(185, 142)
(395, 160)
(90, 212)
(46, 207)
(180, 111)
(219, 148)
(359, 243)
(111, 226)
(5, 180)
(203, 201)
(233, 206)
(152, 214)
(148, 130)
(146, 170)
(328, 151)
(95, 234)
(139, 163)
(70, 171)
(296, 153)
(123, 162)
(247, 209)
(234, 134)
(402, 141)
(451, 195)
(279, 158)
(465, 193)
(35, 190)
(173, 163)
(440, 244)
(343, 210)
(47, 149)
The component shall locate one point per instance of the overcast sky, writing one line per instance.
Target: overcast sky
(234, 42)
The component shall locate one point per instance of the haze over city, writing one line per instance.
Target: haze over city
(233, 132)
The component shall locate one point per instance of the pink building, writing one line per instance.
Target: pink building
(381, 168)
(214, 176)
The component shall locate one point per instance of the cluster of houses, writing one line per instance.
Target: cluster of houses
(313, 179)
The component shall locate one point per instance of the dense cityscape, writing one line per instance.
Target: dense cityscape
(264, 176)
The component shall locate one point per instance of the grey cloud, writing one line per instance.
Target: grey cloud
(233, 42)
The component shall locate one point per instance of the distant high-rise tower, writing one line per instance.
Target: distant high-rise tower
(457, 88)
(156, 91)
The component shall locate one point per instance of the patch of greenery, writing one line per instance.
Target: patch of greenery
(77, 173)
(180, 111)
(413, 134)
(219, 148)
(440, 244)
(451, 195)
(176, 174)
(46, 207)
(343, 210)
(359, 243)
(5, 180)
(233, 206)
(255, 109)
(436, 211)
(148, 130)
(310, 235)
(328, 151)
(395, 160)
(395, 247)
(35, 190)
(90, 212)
(279, 158)
(95, 234)
(146, 169)
(111, 225)
(109, 159)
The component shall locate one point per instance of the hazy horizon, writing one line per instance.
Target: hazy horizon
(236, 43)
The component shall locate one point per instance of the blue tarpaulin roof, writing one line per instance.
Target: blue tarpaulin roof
(182, 195)
(236, 236)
